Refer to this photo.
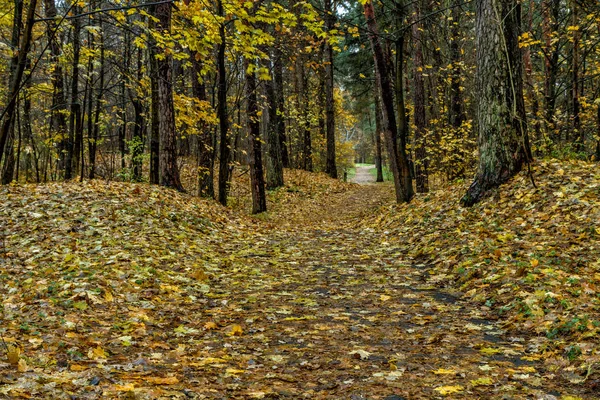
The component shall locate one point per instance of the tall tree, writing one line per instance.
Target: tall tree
(169, 171)
(205, 145)
(274, 149)
(501, 125)
(397, 154)
(224, 148)
(259, 200)
(421, 163)
(16, 76)
(330, 167)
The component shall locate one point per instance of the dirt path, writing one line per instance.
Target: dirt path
(330, 311)
(314, 308)
(363, 176)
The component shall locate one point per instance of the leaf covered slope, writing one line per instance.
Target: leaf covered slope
(125, 290)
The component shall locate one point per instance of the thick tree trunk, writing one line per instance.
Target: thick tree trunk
(224, 148)
(257, 181)
(503, 143)
(397, 154)
(169, 171)
(421, 163)
(330, 167)
(205, 145)
(274, 156)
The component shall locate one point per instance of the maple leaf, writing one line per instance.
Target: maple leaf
(447, 390)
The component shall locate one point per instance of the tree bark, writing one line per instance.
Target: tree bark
(397, 154)
(93, 140)
(257, 181)
(224, 148)
(280, 101)
(274, 153)
(421, 163)
(75, 133)
(330, 167)
(378, 129)
(503, 143)
(154, 109)
(16, 77)
(205, 145)
(169, 171)
(550, 24)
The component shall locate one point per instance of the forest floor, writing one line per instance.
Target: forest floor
(115, 290)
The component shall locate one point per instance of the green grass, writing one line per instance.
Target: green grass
(387, 174)
(351, 173)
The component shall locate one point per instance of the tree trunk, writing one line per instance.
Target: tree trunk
(20, 60)
(330, 167)
(93, 140)
(280, 101)
(378, 129)
(503, 143)
(302, 104)
(9, 157)
(274, 156)
(224, 148)
(205, 145)
(397, 154)
(421, 163)
(75, 132)
(578, 133)
(550, 24)
(137, 143)
(169, 171)
(257, 181)
(154, 109)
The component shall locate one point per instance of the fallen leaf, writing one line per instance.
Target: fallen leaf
(169, 380)
(446, 390)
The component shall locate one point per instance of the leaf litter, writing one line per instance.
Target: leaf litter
(131, 291)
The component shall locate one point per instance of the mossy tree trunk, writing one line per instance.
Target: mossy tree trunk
(500, 114)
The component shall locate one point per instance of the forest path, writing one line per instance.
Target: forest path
(333, 311)
(363, 176)
(307, 304)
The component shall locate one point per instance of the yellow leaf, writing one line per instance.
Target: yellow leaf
(445, 390)
(233, 371)
(443, 371)
(13, 354)
(489, 351)
(169, 380)
(108, 296)
(22, 365)
(236, 330)
(482, 382)
(77, 367)
(209, 361)
(97, 352)
(210, 325)
(534, 263)
(384, 297)
(124, 388)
